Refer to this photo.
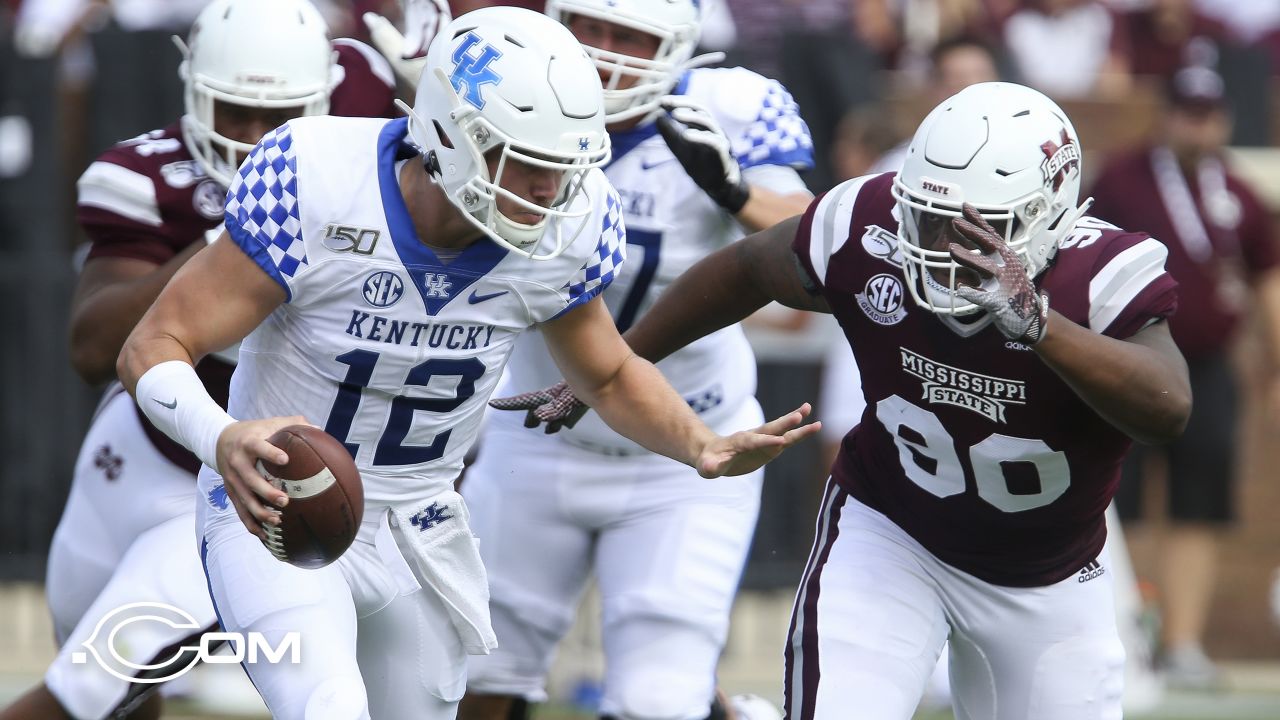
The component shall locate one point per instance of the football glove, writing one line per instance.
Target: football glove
(407, 52)
(555, 406)
(697, 141)
(1016, 307)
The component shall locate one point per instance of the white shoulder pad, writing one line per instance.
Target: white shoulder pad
(1115, 286)
(830, 229)
(378, 65)
(758, 114)
(118, 189)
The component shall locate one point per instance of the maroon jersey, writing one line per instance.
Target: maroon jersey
(969, 442)
(1225, 239)
(149, 199)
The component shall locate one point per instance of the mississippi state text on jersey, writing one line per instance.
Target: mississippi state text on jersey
(969, 442)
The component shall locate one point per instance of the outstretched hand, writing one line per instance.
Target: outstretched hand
(1017, 308)
(555, 407)
(748, 450)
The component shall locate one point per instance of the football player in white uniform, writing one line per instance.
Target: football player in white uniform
(381, 272)
(148, 205)
(698, 154)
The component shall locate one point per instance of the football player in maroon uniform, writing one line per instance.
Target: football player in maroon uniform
(148, 205)
(1010, 348)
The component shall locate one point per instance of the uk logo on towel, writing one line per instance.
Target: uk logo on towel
(433, 515)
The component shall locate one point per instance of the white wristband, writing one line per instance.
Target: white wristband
(174, 400)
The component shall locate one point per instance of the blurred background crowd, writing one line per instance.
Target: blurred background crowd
(1175, 104)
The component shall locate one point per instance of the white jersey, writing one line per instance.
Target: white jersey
(672, 224)
(387, 348)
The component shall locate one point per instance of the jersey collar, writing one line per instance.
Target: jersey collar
(438, 283)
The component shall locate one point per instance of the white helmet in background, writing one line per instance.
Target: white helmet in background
(253, 53)
(510, 81)
(676, 23)
(1009, 151)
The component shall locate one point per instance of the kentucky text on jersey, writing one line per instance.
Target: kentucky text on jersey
(397, 332)
(638, 203)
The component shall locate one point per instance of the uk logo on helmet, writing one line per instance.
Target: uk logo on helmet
(472, 72)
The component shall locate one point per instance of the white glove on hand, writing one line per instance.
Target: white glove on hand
(704, 150)
(407, 52)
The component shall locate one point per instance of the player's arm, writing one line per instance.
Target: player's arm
(215, 300)
(725, 287)
(765, 207)
(633, 397)
(1140, 384)
(110, 297)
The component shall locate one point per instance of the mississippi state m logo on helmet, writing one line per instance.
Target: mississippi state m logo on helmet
(1060, 159)
(471, 72)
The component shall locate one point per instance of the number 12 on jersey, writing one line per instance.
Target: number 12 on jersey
(391, 449)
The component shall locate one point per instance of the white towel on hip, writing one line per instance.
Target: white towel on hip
(447, 559)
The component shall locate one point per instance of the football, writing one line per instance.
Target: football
(326, 498)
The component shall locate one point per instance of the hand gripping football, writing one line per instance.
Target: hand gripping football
(326, 498)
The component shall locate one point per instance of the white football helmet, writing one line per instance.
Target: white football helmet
(255, 53)
(676, 23)
(510, 81)
(1009, 151)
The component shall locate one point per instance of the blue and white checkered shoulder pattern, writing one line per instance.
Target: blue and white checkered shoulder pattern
(603, 264)
(778, 136)
(262, 207)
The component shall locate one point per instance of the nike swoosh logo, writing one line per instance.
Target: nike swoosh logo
(172, 404)
(645, 165)
(474, 298)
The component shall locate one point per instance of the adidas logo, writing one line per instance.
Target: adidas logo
(1090, 571)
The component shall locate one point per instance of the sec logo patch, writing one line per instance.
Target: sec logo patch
(881, 300)
(383, 289)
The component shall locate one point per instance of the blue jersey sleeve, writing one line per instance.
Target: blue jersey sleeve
(262, 208)
(604, 263)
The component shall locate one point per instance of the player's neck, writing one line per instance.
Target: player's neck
(623, 126)
(438, 223)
